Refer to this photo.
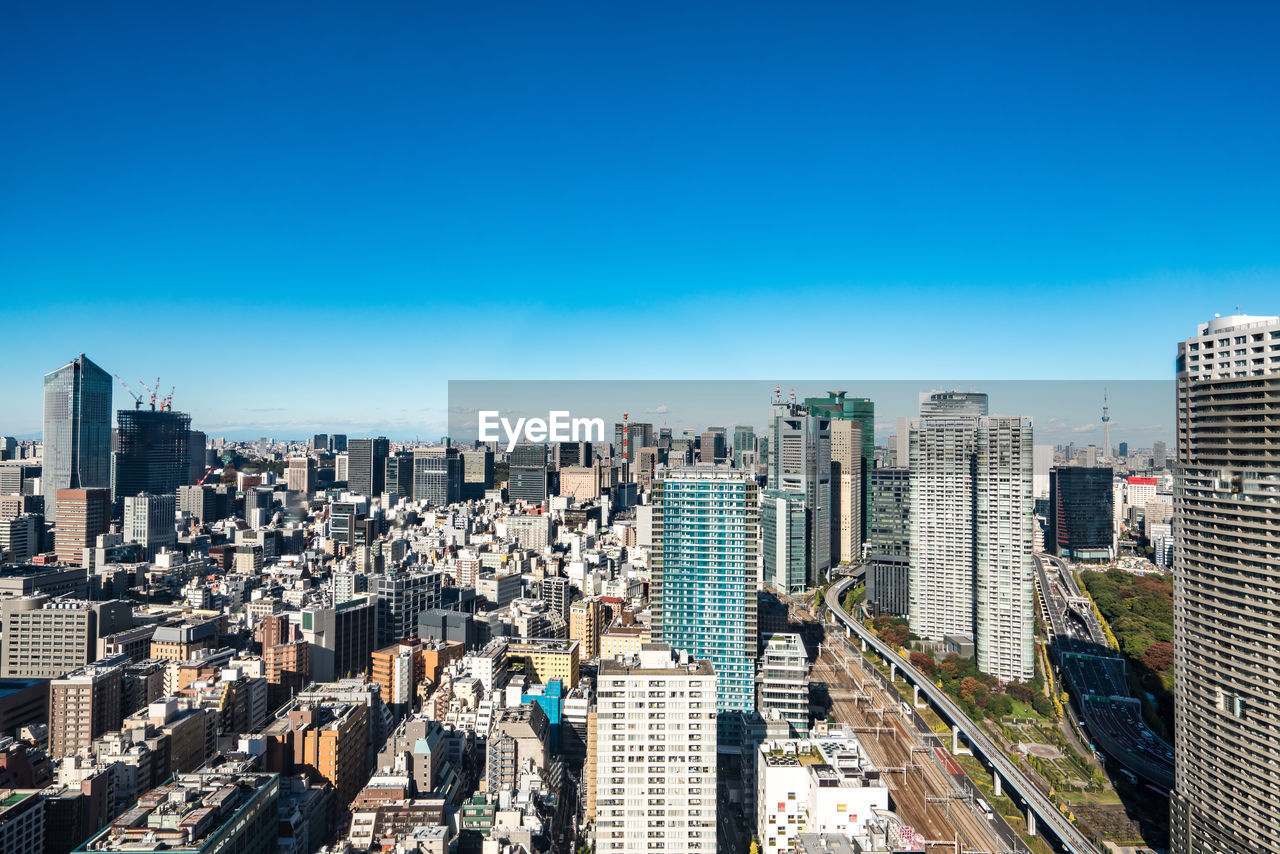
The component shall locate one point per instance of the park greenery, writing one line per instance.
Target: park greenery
(1138, 613)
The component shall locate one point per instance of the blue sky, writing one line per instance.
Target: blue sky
(314, 215)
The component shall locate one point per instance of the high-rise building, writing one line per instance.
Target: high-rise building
(1159, 455)
(341, 467)
(83, 705)
(19, 537)
(784, 681)
(399, 478)
(152, 452)
(342, 637)
(199, 501)
(714, 448)
(574, 454)
(47, 638)
(799, 483)
(846, 491)
(149, 521)
(1124, 450)
(401, 597)
(83, 514)
(704, 580)
(639, 435)
(77, 430)
(935, 404)
(527, 473)
(1226, 526)
(300, 476)
(586, 617)
(477, 473)
(438, 473)
(889, 541)
(197, 444)
(367, 465)
(744, 441)
(971, 536)
(339, 443)
(671, 793)
(1080, 514)
(837, 406)
(320, 442)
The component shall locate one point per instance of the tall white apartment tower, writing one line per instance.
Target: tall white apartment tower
(655, 739)
(972, 520)
(1226, 568)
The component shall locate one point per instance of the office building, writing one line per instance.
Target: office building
(527, 473)
(152, 452)
(639, 434)
(1159, 456)
(401, 597)
(300, 476)
(46, 638)
(846, 491)
(1080, 521)
(197, 445)
(200, 502)
(744, 441)
(339, 443)
(704, 578)
(342, 637)
(83, 705)
(83, 514)
(1226, 526)
(20, 537)
(799, 485)
(320, 443)
(208, 812)
(839, 407)
(971, 536)
(23, 821)
(574, 454)
(437, 475)
(585, 624)
(341, 468)
(149, 522)
(477, 473)
(822, 785)
(77, 430)
(655, 800)
(714, 447)
(398, 482)
(367, 465)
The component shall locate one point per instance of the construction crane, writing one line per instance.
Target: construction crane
(137, 398)
(166, 403)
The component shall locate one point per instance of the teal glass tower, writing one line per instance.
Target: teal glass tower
(704, 581)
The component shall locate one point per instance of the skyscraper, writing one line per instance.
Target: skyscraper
(799, 482)
(673, 791)
(956, 403)
(152, 453)
(367, 465)
(399, 477)
(704, 580)
(971, 536)
(744, 440)
(889, 541)
(149, 521)
(83, 514)
(1080, 512)
(300, 476)
(1227, 588)
(846, 491)
(839, 407)
(77, 430)
(437, 475)
(527, 472)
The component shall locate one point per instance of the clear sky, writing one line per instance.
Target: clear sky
(312, 216)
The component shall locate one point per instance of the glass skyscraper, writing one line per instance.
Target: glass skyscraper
(704, 581)
(77, 430)
(153, 452)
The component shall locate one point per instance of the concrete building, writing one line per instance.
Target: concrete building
(47, 638)
(971, 536)
(22, 821)
(783, 681)
(149, 522)
(342, 637)
(674, 789)
(300, 476)
(401, 597)
(585, 618)
(367, 465)
(820, 786)
(438, 475)
(83, 514)
(83, 705)
(208, 812)
(1226, 527)
(20, 537)
(846, 491)
(531, 531)
(704, 577)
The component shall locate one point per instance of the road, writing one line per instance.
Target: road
(1047, 816)
(1097, 678)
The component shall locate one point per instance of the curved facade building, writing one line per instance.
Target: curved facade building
(1227, 589)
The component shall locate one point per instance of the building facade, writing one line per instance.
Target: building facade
(77, 430)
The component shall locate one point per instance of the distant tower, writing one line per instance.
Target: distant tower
(1106, 427)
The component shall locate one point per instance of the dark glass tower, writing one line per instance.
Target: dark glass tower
(153, 454)
(1080, 512)
(77, 430)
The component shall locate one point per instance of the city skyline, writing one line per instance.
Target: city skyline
(920, 178)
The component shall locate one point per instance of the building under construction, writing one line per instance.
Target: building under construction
(152, 452)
